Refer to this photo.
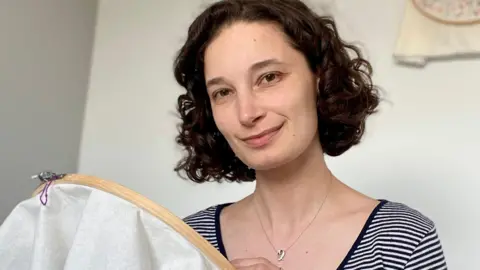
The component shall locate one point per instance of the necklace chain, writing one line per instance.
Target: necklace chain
(282, 252)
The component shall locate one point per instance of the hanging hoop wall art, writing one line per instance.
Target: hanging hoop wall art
(456, 12)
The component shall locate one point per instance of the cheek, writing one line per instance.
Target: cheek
(298, 104)
(223, 121)
(300, 108)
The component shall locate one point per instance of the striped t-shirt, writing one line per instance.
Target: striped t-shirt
(395, 236)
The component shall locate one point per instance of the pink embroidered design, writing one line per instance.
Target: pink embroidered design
(453, 11)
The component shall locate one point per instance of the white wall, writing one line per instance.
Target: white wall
(45, 49)
(421, 149)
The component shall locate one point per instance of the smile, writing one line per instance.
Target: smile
(263, 138)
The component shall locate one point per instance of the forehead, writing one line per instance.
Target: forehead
(241, 44)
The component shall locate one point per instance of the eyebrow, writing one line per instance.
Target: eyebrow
(256, 66)
(265, 63)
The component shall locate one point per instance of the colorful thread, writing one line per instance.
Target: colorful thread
(44, 194)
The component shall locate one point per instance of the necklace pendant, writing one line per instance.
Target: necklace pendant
(280, 254)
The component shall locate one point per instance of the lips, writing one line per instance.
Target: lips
(262, 138)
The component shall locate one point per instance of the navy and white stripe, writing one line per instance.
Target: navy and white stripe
(394, 237)
(205, 224)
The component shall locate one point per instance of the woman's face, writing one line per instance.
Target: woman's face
(262, 93)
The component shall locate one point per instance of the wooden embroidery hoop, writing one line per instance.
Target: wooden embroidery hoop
(151, 207)
(444, 21)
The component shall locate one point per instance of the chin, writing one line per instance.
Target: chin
(276, 157)
(272, 160)
(265, 166)
(280, 152)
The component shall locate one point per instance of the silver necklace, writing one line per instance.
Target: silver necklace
(281, 253)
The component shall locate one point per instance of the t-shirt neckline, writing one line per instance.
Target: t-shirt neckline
(221, 246)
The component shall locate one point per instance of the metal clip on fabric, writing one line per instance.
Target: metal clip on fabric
(47, 177)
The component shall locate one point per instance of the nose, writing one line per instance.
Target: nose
(248, 110)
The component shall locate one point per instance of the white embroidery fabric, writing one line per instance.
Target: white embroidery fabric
(85, 228)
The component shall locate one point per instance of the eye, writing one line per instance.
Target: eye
(270, 78)
(221, 93)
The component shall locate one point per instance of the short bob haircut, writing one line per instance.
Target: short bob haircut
(346, 93)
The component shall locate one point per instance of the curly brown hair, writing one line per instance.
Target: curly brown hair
(346, 95)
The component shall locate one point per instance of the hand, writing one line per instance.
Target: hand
(254, 264)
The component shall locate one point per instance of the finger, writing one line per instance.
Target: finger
(253, 263)
(258, 267)
(250, 261)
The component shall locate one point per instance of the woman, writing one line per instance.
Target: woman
(271, 89)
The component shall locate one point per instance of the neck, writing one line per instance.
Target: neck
(289, 197)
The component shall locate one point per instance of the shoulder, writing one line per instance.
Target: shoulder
(400, 215)
(206, 223)
(209, 211)
(205, 218)
(403, 226)
(403, 236)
